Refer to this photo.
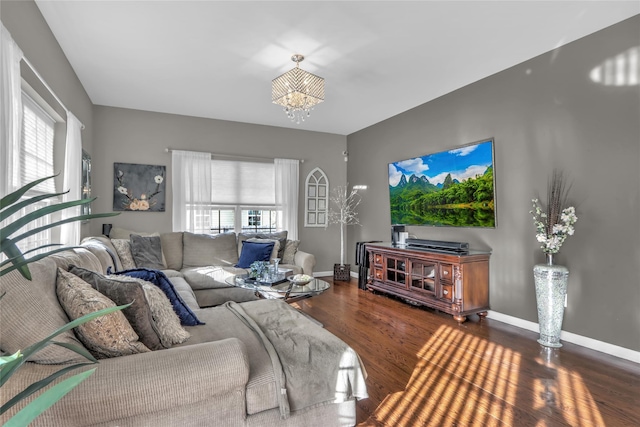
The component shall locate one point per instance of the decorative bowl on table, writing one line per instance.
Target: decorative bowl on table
(300, 279)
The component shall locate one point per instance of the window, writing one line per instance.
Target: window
(36, 161)
(259, 221)
(243, 198)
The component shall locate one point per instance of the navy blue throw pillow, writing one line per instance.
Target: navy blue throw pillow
(254, 251)
(158, 278)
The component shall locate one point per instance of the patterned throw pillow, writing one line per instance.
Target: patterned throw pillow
(123, 248)
(290, 251)
(123, 292)
(107, 336)
(166, 320)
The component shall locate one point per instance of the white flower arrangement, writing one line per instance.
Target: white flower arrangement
(554, 225)
(551, 242)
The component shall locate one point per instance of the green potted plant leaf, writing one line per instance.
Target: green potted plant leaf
(16, 260)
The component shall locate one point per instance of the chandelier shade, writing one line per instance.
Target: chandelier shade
(297, 91)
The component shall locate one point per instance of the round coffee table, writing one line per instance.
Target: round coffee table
(286, 290)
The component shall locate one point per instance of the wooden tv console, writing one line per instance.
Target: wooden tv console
(455, 283)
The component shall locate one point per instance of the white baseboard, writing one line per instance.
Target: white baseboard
(601, 346)
(322, 273)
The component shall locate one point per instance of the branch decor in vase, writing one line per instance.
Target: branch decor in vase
(343, 212)
(553, 225)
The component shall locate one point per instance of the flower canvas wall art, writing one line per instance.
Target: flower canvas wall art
(139, 187)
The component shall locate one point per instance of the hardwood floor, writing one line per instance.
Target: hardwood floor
(426, 370)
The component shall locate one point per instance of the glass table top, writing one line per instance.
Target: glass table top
(314, 287)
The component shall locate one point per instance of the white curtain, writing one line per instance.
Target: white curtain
(191, 182)
(10, 110)
(70, 232)
(287, 171)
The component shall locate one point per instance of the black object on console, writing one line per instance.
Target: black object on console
(362, 260)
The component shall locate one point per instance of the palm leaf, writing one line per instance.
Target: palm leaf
(56, 224)
(19, 264)
(11, 198)
(39, 385)
(16, 225)
(46, 399)
(7, 261)
(13, 208)
(6, 373)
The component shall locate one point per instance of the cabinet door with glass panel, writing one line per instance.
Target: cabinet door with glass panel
(424, 277)
(396, 269)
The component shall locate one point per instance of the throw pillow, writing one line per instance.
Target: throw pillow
(123, 249)
(158, 278)
(201, 250)
(147, 251)
(107, 336)
(254, 251)
(124, 292)
(290, 251)
(280, 236)
(166, 320)
(274, 251)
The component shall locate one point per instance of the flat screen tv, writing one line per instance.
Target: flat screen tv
(453, 188)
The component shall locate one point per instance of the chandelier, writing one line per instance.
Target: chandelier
(297, 91)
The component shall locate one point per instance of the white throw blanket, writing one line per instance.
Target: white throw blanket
(312, 366)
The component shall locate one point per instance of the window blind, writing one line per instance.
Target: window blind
(243, 183)
(36, 150)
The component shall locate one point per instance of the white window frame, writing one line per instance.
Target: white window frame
(316, 200)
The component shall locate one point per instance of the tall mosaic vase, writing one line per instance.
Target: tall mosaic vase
(551, 289)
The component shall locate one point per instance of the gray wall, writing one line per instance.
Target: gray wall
(543, 113)
(30, 31)
(132, 136)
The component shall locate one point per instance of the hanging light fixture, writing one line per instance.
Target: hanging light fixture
(297, 91)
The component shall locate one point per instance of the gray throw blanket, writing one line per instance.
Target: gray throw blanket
(312, 367)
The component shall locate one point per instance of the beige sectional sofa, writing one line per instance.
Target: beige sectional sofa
(205, 262)
(254, 363)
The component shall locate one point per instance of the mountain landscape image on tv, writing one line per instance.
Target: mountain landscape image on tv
(452, 188)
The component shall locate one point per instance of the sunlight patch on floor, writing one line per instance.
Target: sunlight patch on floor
(463, 379)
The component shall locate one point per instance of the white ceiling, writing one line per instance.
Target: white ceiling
(379, 58)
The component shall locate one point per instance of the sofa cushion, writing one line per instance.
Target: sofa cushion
(186, 293)
(123, 233)
(172, 249)
(107, 336)
(123, 292)
(261, 392)
(123, 248)
(147, 251)
(30, 311)
(290, 251)
(158, 278)
(166, 320)
(254, 251)
(200, 249)
(281, 236)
